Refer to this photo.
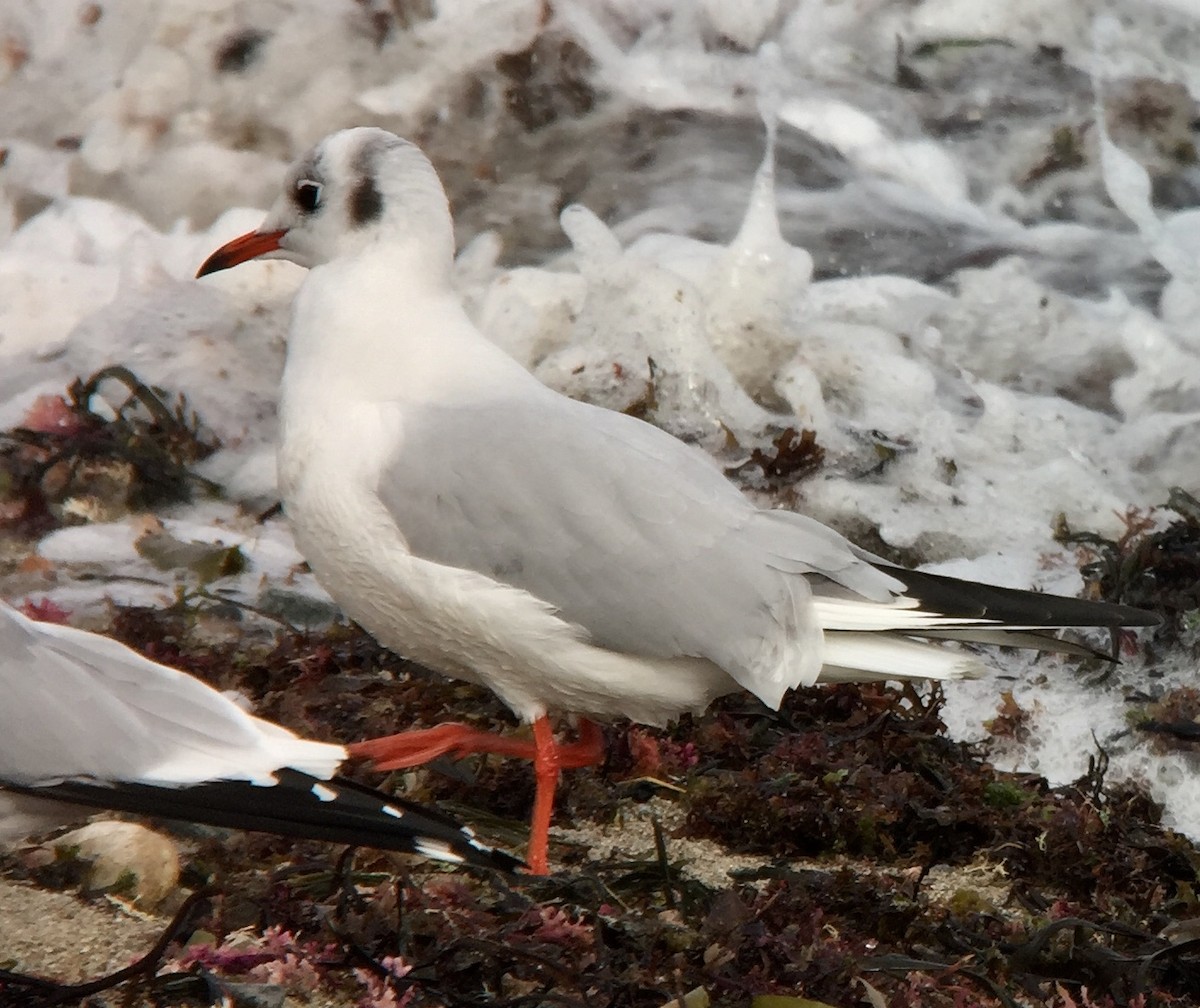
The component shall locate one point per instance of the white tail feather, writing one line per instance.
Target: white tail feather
(856, 657)
(900, 615)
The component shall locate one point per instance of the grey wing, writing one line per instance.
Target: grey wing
(78, 704)
(629, 533)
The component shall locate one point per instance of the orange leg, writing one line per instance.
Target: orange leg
(587, 750)
(549, 761)
(411, 748)
(547, 765)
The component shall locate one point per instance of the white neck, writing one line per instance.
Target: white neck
(386, 325)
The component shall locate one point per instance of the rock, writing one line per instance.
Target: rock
(125, 859)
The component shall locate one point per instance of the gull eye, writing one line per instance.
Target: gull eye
(308, 195)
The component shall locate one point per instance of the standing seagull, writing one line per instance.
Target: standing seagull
(570, 558)
(87, 723)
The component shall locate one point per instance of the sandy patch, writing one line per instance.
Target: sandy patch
(58, 936)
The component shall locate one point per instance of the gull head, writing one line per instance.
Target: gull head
(357, 190)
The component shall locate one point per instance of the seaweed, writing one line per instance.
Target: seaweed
(70, 462)
(1154, 564)
(794, 454)
(889, 862)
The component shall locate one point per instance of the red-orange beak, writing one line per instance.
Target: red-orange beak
(248, 246)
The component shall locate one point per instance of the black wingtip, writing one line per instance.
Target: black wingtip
(298, 806)
(1012, 606)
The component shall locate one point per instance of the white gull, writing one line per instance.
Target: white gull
(87, 723)
(571, 558)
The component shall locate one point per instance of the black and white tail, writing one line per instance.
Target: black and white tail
(867, 639)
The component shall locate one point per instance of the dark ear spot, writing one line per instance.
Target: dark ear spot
(366, 202)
